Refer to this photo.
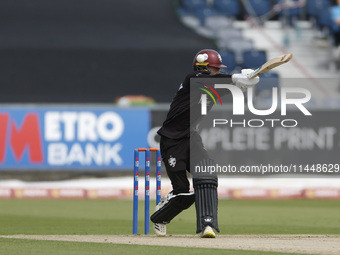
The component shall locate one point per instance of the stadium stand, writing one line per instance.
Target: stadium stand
(229, 8)
(289, 15)
(64, 51)
(258, 7)
(254, 58)
(313, 7)
(263, 90)
(61, 50)
(203, 13)
(268, 81)
(192, 6)
(229, 59)
(239, 46)
(297, 25)
(291, 12)
(324, 21)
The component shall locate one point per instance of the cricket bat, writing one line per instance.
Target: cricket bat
(271, 64)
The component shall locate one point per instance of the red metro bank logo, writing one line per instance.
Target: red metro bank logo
(19, 137)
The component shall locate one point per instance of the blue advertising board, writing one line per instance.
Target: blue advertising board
(86, 138)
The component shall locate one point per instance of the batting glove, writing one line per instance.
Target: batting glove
(242, 81)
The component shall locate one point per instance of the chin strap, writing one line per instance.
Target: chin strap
(202, 68)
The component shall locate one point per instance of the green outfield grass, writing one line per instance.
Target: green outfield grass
(113, 217)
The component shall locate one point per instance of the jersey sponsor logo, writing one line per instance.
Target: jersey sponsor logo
(172, 161)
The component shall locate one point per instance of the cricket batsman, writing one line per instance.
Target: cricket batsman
(177, 137)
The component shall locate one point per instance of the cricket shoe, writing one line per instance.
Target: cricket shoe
(160, 228)
(208, 232)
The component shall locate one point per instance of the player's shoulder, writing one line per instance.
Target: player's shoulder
(190, 76)
(222, 75)
(203, 75)
(193, 75)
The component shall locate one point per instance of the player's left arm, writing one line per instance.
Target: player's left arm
(242, 80)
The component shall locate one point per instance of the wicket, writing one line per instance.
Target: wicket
(147, 187)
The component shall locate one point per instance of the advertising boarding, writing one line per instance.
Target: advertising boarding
(101, 138)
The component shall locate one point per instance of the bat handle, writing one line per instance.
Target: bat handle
(252, 75)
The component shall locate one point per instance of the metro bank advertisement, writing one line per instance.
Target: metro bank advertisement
(71, 138)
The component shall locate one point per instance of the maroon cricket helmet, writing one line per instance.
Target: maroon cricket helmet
(206, 58)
